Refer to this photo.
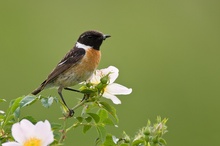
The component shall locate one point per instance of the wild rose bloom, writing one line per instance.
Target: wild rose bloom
(27, 134)
(112, 88)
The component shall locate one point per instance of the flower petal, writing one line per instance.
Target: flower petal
(98, 74)
(43, 131)
(113, 73)
(114, 99)
(22, 131)
(95, 78)
(11, 144)
(117, 89)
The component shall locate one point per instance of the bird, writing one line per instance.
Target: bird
(77, 65)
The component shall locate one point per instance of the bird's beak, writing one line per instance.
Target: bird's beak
(105, 36)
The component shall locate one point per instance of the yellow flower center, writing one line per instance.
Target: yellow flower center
(33, 142)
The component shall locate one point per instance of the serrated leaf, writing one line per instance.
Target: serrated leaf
(110, 109)
(86, 128)
(102, 133)
(47, 102)
(27, 100)
(95, 117)
(88, 119)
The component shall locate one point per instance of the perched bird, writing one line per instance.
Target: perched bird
(77, 65)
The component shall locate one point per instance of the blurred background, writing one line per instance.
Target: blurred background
(167, 51)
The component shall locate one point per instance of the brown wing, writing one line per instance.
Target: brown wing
(71, 59)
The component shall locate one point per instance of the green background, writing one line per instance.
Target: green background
(166, 51)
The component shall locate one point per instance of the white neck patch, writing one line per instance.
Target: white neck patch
(79, 45)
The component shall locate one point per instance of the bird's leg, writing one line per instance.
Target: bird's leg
(85, 97)
(71, 112)
(70, 89)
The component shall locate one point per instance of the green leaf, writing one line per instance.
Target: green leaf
(88, 119)
(2, 112)
(50, 100)
(102, 133)
(155, 139)
(57, 135)
(108, 121)
(126, 138)
(162, 141)
(95, 117)
(55, 126)
(27, 100)
(15, 104)
(9, 118)
(103, 114)
(86, 128)
(1, 118)
(110, 109)
(138, 142)
(105, 79)
(87, 90)
(124, 144)
(2, 100)
(47, 102)
(80, 119)
(109, 141)
(17, 112)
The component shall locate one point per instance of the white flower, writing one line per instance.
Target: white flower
(112, 88)
(27, 134)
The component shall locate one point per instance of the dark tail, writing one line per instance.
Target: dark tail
(36, 91)
(39, 89)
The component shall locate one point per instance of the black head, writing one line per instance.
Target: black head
(92, 38)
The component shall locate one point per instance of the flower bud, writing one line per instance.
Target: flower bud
(147, 131)
(105, 79)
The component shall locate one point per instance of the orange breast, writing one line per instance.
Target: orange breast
(82, 71)
(91, 60)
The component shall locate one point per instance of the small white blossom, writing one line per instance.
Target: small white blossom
(112, 88)
(27, 134)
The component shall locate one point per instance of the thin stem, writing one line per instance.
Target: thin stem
(63, 132)
(78, 105)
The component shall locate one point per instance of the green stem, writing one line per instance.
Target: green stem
(63, 133)
(78, 105)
